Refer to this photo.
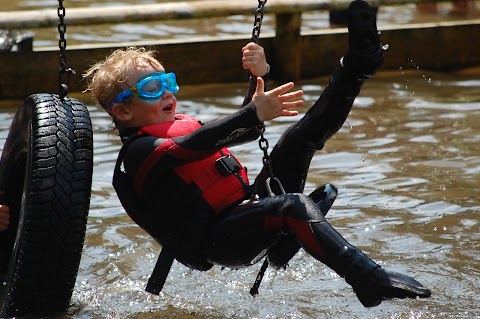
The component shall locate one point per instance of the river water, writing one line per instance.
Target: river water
(406, 164)
(407, 167)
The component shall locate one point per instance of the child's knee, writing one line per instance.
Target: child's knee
(303, 208)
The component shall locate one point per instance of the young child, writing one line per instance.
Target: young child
(182, 185)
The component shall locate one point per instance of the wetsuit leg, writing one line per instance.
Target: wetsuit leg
(292, 155)
(287, 246)
(244, 235)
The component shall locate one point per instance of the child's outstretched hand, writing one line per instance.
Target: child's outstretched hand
(254, 60)
(277, 102)
(4, 217)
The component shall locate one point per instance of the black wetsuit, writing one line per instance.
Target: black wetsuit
(181, 215)
(240, 234)
(176, 215)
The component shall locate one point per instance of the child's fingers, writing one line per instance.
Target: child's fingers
(289, 113)
(260, 85)
(291, 95)
(282, 88)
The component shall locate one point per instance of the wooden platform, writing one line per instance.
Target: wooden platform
(431, 46)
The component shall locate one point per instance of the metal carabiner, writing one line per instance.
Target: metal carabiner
(269, 189)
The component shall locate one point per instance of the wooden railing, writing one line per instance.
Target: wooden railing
(292, 54)
(173, 11)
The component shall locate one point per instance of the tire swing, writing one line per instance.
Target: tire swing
(45, 177)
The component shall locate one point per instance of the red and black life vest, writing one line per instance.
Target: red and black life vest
(221, 178)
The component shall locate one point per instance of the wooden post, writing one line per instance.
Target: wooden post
(287, 47)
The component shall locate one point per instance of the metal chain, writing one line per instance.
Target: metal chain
(62, 44)
(257, 25)
(258, 20)
(263, 142)
(267, 162)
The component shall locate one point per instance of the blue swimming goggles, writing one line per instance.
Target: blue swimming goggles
(150, 87)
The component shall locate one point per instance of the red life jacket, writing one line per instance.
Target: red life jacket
(220, 185)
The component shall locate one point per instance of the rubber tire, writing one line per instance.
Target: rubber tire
(45, 177)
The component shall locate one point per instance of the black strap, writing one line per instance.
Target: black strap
(161, 270)
(258, 280)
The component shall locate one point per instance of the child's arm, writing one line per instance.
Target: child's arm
(237, 128)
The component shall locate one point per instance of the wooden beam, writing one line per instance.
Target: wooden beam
(287, 56)
(170, 11)
(430, 46)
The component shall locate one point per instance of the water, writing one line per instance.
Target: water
(406, 164)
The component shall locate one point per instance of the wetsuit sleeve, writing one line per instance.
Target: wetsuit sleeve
(164, 154)
(237, 128)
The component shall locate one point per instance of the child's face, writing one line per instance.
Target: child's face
(150, 112)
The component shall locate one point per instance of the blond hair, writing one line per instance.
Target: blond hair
(107, 79)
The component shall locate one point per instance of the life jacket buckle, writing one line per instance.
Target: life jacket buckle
(227, 165)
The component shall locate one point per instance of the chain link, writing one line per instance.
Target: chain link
(258, 20)
(263, 144)
(257, 25)
(267, 162)
(62, 44)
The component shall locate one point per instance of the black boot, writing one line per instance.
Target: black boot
(324, 196)
(371, 283)
(365, 54)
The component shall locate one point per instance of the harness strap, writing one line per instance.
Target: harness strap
(161, 270)
(258, 280)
